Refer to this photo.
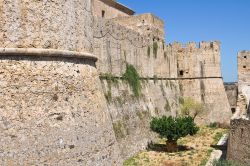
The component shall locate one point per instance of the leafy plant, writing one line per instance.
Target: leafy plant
(133, 79)
(225, 163)
(173, 128)
(192, 108)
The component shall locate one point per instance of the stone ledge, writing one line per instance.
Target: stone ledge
(47, 53)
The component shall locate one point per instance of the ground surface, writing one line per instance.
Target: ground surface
(194, 150)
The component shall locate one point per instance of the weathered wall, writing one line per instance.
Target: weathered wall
(243, 82)
(239, 142)
(131, 116)
(52, 109)
(232, 94)
(64, 25)
(146, 24)
(115, 45)
(98, 6)
(52, 112)
(200, 78)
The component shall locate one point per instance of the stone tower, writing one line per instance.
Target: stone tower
(52, 111)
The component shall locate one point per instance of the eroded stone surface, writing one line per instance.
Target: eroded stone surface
(65, 25)
(53, 112)
(239, 143)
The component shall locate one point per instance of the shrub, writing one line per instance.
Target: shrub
(213, 125)
(133, 79)
(173, 128)
(225, 163)
(192, 108)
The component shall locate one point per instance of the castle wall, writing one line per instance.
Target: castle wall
(63, 25)
(115, 45)
(243, 82)
(146, 24)
(244, 71)
(131, 116)
(232, 94)
(53, 112)
(52, 109)
(98, 6)
(238, 145)
(200, 78)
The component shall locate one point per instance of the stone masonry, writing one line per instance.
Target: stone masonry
(166, 71)
(52, 109)
(239, 143)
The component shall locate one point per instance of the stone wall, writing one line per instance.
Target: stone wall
(146, 24)
(243, 82)
(109, 9)
(115, 45)
(232, 94)
(131, 116)
(63, 25)
(239, 142)
(52, 109)
(200, 78)
(52, 112)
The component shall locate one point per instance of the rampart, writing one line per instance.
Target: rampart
(52, 109)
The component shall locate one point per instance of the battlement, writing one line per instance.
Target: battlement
(213, 45)
(244, 54)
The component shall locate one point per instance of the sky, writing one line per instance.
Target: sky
(227, 21)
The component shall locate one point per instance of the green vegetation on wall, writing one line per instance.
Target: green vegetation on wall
(133, 79)
(119, 129)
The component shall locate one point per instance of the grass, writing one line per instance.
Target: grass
(197, 152)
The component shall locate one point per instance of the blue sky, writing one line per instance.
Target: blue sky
(227, 21)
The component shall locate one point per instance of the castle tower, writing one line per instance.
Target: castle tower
(200, 78)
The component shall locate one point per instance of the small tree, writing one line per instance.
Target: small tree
(192, 108)
(173, 128)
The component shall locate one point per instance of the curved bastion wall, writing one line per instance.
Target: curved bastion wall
(53, 112)
(52, 109)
